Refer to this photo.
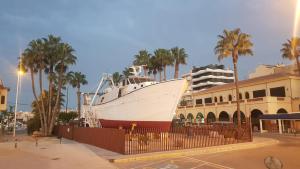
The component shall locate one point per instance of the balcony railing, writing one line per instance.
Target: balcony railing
(267, 99)
(255, 99)
(241, 101)
(199, 105)
(209, 104)
(222, 103)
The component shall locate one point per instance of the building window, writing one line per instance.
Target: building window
(247, 95)
(277, 91)
(198, 101)
(259, 93)
(230, 97)
(216, 99)
(208, 100)
(221, 98)
(2, 99)
(240, 96)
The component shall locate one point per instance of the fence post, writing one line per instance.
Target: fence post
(72, 131)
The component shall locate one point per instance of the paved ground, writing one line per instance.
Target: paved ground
(50, 155)
(288, 151)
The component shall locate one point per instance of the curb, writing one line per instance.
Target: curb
(195, 151)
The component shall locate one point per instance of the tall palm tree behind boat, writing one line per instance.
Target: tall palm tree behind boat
(135, 100)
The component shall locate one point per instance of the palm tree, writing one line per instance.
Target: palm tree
(116, 77)
(77, 79)
(152, 67)
(65, 58)
(167, 60)
(126, 72)
(234, 44)
(33, 60)
(66, 83)
(291, 50)
(179, 57)
(160, 61)
(51, 56)
(51, 45)
(142, 59)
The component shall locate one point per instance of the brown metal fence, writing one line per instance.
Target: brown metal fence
(107, 138)
(144, 140)
(153, 140)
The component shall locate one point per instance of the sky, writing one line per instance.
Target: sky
(106, 34)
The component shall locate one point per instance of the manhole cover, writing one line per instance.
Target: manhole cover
(56, 158)
(273, 163)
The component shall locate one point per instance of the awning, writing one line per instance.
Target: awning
(290, 116)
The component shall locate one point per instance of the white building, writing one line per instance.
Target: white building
(210, 76)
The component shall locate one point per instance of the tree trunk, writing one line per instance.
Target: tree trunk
(160, 76)
(50, 97)
(176, 70)
(57, 101)
(36, 98)
(298, 64)
(237, 93)
(78, 101)
(165, 74)
(45, 119)
(67, 98)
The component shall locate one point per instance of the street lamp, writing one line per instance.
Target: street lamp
(20, 73)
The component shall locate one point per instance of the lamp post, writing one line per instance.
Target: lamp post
(20, 73)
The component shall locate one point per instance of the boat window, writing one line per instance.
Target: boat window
(102, 99)
(142, 85)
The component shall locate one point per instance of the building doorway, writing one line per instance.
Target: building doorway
(224, 116)
(286, 123)
(255, 119)
(211, 117)
(200, 118)
(243, 117)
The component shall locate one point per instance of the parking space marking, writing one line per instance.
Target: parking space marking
(149, 164)
(200, 165)
(172, 166)
(209, 163)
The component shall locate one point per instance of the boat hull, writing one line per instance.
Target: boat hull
(153, 106)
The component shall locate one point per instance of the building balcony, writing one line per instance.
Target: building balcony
(222, 103)
(210, 104)
(268, 99)
(199, 105)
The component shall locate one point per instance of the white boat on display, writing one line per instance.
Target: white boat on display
(136, 100)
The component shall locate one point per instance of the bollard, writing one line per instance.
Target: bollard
(60, 138)
(16, 143)
(36, 141)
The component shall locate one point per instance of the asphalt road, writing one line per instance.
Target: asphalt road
(287, 151)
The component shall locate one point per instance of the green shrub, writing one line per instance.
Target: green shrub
(33, 124)
(67, 117)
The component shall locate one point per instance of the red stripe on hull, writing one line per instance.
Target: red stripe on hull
(164, 125)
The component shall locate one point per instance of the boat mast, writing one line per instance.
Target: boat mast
(90, 117)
